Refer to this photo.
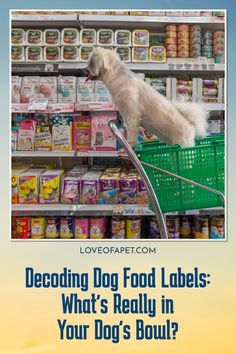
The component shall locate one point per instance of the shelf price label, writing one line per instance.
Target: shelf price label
(40, 104)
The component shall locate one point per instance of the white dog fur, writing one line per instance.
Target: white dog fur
(139, 104)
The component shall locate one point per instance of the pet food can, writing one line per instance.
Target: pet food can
(217, 227)
(170, 41)
(171, 54)
(133, 227)
(195, 28)
(154, 230)
(37, 227)
(207, 35)
(171, 27)
(22, 225)
(97, 227)
(207, 54)
(183, 53)
(201, 227)
(172, 223)
(207, 48)
(183, 41)
(183, 34)
(219, 34)
(88, 36)
(170, 34)
(182, 28)
(118, 227)
(194, 41)
(66, 227)
(217, 41)
(185, 227)
(52, 227)
(194, 53)
(81, 227)
(207, 41)
(171, 47)
(184, 47)
(124, 53)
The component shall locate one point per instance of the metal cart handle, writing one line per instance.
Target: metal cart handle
(113, 124)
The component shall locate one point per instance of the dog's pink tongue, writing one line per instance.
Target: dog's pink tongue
(88, 77)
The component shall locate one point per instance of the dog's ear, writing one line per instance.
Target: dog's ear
(106, 61)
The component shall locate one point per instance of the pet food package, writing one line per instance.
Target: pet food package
(81, 227)
(52, 227)
(66, 89)
(29, 88)
(105, 37)
(14, 137)
(29, 186)
(85, 90)
(123, 38)
(142, 194)
(109, 187)
(34, 54)
(157, 54)
(34, 37)
(26, 135)
(17, 36)
(97, 227)
(52, 37)
(140, 38)
(48, 88)
(70, 36)
(124, 54)
(82, 133)
(90, 187)
(37, 228)
(15, 186)
(66, 227)
(102, 138)
(15, 89)
(17, 53)
(62, 133)
(43, 138)
(69, 53)
(52, 54)
(88, 36)
(101, 93)
(140, 55)
(84, 52)
(128, 187)
(70, 189)
(50, 182)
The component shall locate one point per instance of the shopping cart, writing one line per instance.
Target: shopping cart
(189, 178)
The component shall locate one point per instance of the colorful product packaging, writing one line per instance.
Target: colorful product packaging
(82, 133)
(50, 182)
(62, 133)
(29, 186)
(102, 138)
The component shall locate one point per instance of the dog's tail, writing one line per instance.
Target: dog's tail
(195, 113)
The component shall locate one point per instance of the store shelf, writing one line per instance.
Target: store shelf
(43, 154)
(73, 153)
(157, 22)
(98, 209)
(51, 108)
(214, 106)
(95, 106)
(49, 20)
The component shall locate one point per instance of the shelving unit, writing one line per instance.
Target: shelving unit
(173, 67)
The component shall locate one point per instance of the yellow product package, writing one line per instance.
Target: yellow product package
(29, 186)
(50, 185)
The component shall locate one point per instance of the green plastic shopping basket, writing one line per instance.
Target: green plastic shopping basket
(203, 163)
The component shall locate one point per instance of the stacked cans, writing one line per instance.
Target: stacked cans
(207, 44)
(195, 41)
(171, 40)
(219, 46)
(183, 40)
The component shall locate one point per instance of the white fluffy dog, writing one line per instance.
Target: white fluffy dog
(141, 105)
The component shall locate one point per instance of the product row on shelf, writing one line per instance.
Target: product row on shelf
(72, 89)
(178, 41)
(83, 133)
(116, 227)
(80, 185)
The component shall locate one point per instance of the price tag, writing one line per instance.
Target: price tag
(172, 213)
(40, 104)
(137, 211)
(192, 212)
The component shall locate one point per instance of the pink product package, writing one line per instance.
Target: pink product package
(48, 89)
(29, 88)
(15, 89)
(70, 192)
(26, 135)
(90, 187)
(102, 138)
(82, 133)
(142, 194)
